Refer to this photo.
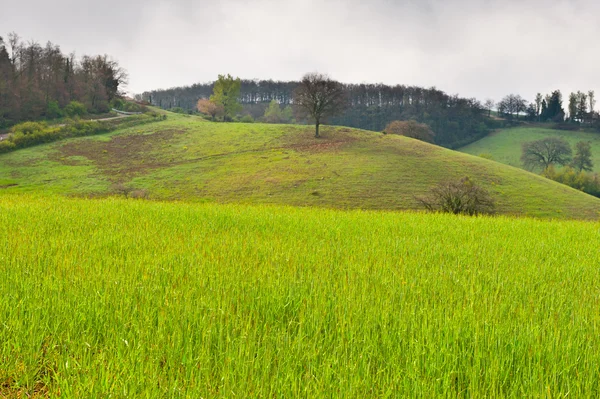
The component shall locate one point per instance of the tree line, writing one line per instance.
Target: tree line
(40, 82)
(549, 108)
(456, 121)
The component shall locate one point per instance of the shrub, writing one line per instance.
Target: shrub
(247, 119)
(6, 146)
(587, 182)
(53, 111)
(26, 128)
(75, 108)
(486, 155)
(412, 129)
(458, 197)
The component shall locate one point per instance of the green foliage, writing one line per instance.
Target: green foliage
(179, 110)
(486, 155)
(226, 93)
(75, 108)
(505, 145)
(28, 134)
(28, 128)
(247, 119)
(119, 297)
(273, 113)
(583, 157)
(587, 182)
(53, 111)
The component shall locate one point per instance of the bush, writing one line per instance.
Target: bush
(26, 128)
(458, 197)
(75, 108)
(53, 111)
(412, 129)
(7, 146)
(486, 155)
(587, 182)
(247, 119)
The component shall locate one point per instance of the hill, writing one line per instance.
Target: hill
(505, 145)
(122, 298)
(187, 158)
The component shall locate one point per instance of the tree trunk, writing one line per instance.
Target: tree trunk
(317, 129)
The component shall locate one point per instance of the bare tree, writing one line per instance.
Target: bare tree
(546, 152)
(318, 97)
(489, 105)
(458, 197)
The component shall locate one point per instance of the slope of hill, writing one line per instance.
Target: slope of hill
(505, 145)
(187, 158)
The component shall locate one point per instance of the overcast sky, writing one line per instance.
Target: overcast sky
(476, 48)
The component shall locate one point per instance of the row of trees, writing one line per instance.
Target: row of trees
(456, 121)
(548, 108)
(39, 82)
(547, 153)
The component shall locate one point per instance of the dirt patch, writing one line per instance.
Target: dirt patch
(8, 185)
(121, 158)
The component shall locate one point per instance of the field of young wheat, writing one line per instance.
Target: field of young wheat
(127, 298)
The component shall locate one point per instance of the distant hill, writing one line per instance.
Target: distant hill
(505, 145)
(187, 158)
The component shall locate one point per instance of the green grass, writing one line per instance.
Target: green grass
(126, 298)
(186, 158)
(505, 145)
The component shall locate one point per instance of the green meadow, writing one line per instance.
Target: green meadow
(131, 298)
(192, 160)
(505, 145)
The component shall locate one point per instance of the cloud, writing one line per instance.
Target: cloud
(475, 48)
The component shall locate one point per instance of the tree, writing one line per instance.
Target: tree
(273, 113)
(583, 157)
(319, 97)
(592, 100)
(226, 93)
(489, 105)
(512, 105)
(554, 110)
(458, 197)
(581, 106)
(412, 129)
(545, 152)
(572, 106)
(208, 107)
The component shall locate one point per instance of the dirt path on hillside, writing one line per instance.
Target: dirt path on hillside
(112, 118)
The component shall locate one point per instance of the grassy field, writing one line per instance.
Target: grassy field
(189, 159)
(505, 145)
(127, 298)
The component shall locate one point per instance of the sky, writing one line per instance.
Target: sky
(474, 48)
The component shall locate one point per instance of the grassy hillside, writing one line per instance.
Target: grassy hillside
(187, 158)
(126, 298)
(505, 145)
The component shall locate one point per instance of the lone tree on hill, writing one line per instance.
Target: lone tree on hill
(226, 93)
(583, 157)
(412, 129)
(546, 152)
(318, 97)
